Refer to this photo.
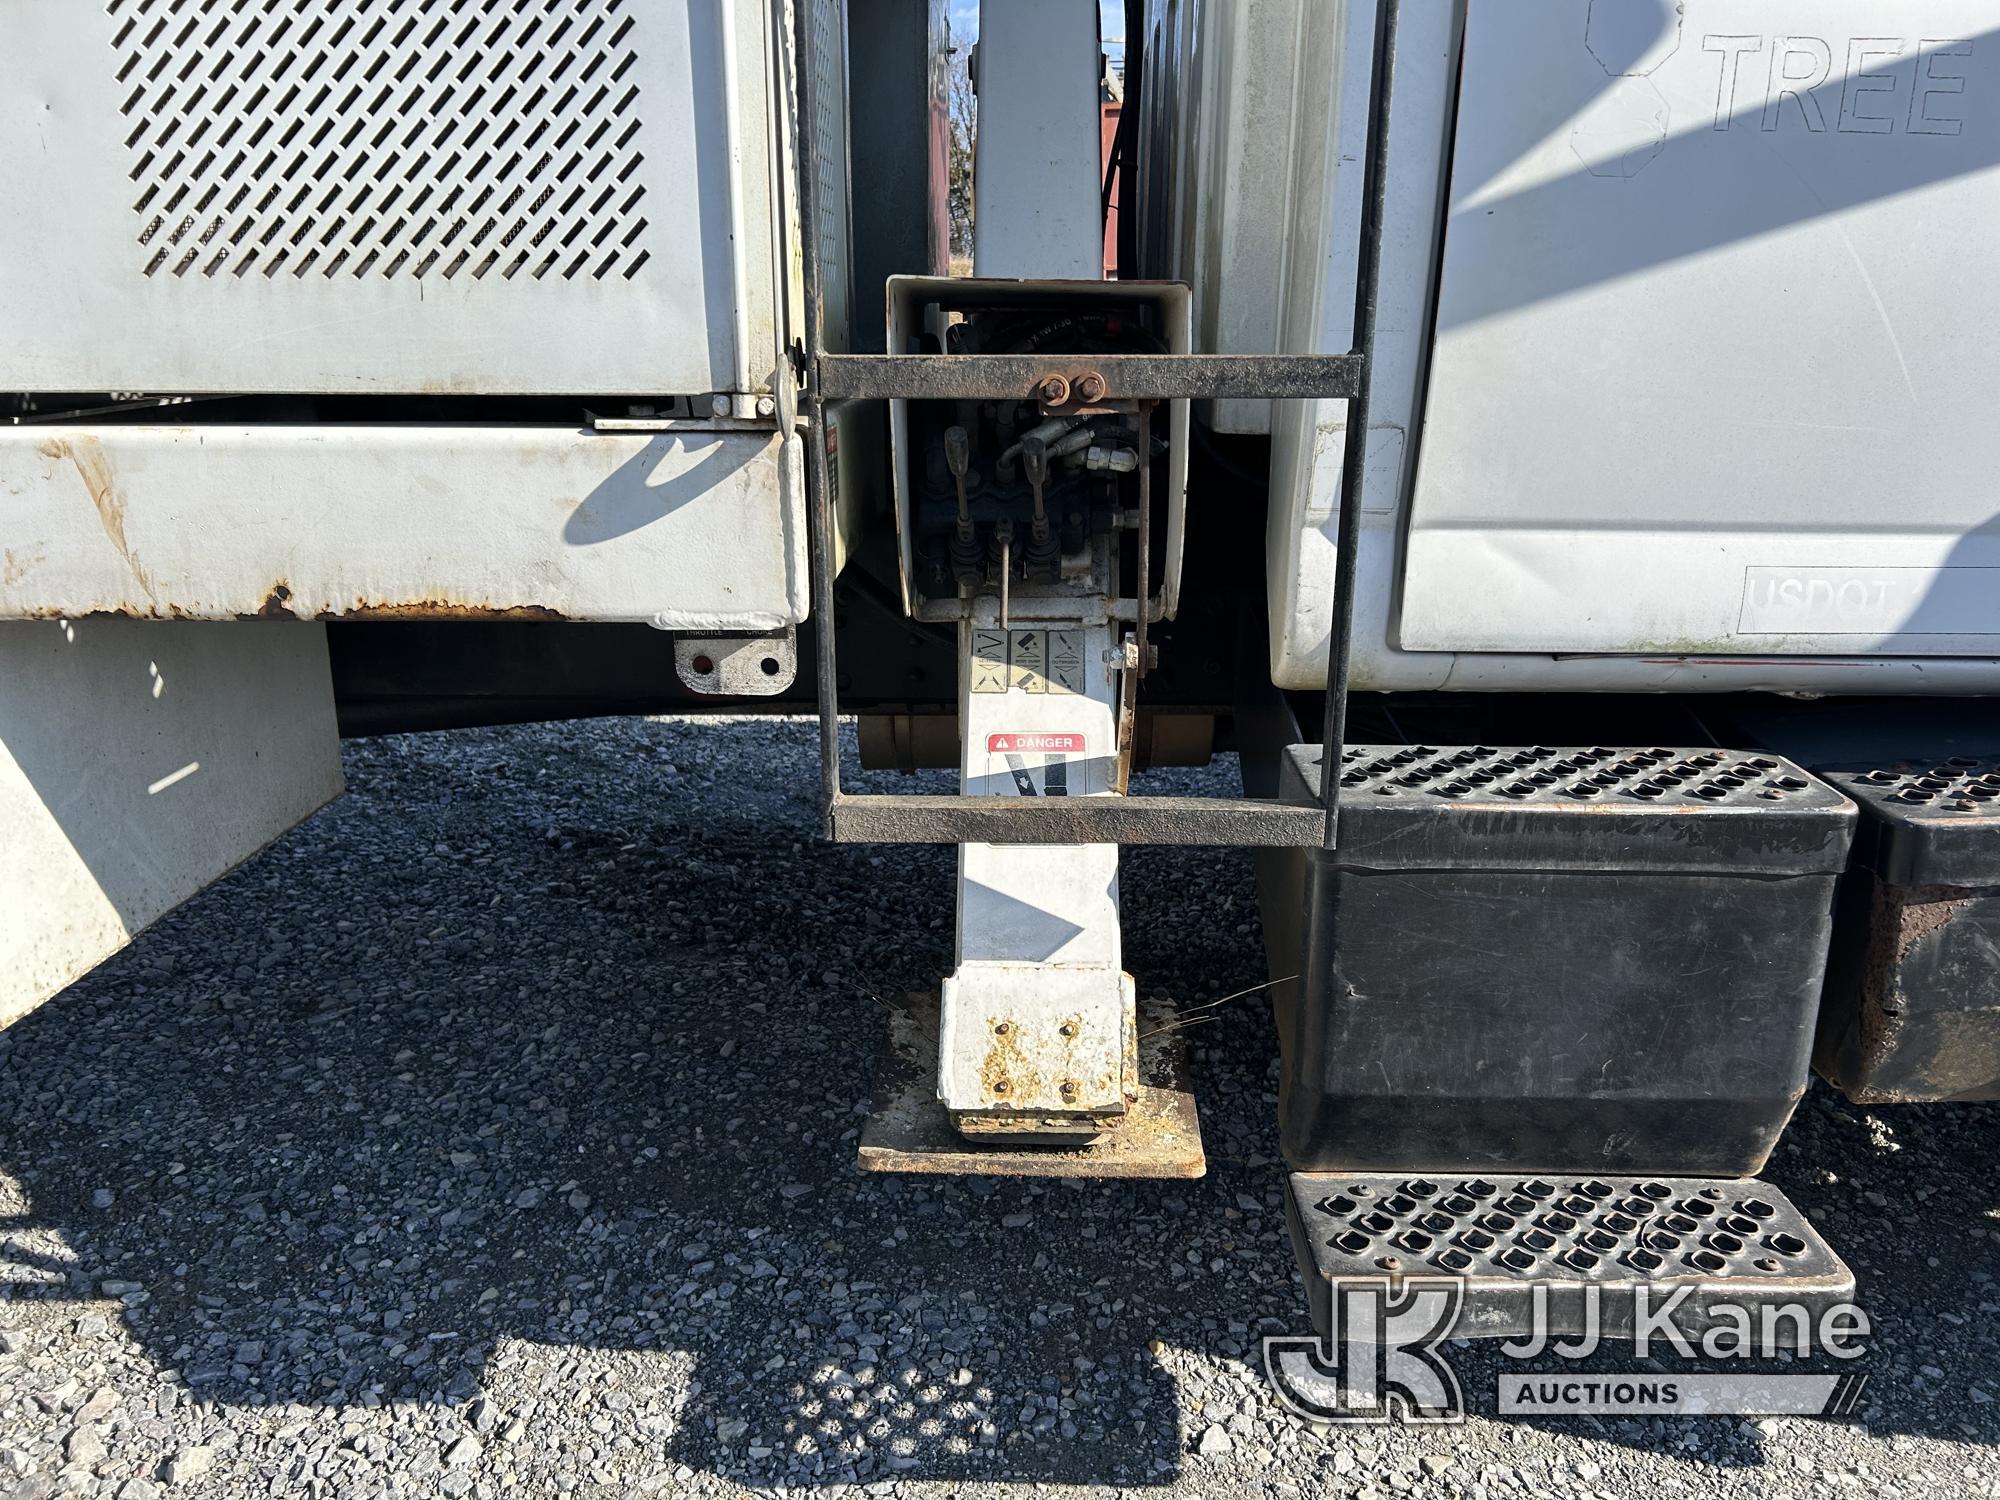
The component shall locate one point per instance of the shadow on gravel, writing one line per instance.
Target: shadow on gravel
(562, 1036)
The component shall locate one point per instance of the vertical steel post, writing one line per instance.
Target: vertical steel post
(1354, 462)
(819, 531)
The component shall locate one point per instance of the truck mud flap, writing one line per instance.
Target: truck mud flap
(1563, 1255)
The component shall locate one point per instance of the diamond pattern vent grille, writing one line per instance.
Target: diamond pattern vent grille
(390, 138)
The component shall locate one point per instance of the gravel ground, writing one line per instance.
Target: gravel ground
(495, 1131)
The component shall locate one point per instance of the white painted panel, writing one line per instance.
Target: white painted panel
(138, 762)
(378, 196)
(1714, 308)
(1038, 170)
(1308, 438)
(1250, 95)
(1040, 717)
(1918, 589)
(691, 530)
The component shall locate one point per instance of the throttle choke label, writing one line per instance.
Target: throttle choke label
(1027, 661)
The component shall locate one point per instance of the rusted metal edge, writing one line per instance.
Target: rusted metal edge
(1123, 377)
(1210, 821)
(277, 606)
(909, 1129)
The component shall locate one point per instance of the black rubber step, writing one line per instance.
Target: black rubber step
(1735, 1241)
(1912, 1006)
(1579, 960)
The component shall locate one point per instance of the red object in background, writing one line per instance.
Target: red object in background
(1109, 111)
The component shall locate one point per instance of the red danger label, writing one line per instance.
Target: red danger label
(1041, 744)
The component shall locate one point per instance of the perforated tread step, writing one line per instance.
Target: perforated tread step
(1735, 1241)
(1689, 777)
(1934, 822)
(1909, 1014)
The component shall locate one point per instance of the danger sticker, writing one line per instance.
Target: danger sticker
(1040, 744)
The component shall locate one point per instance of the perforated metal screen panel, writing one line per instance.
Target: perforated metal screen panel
(437, 196)
(383, 138)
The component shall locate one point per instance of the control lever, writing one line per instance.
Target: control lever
(1003, 533)
(968, 558)
(1044, 556)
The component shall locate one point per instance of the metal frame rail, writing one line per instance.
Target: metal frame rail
(1245, 822)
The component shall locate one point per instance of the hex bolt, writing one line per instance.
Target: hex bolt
(1090, 388)
(1054, 391)
(1069, 1091)
(1001, 1086)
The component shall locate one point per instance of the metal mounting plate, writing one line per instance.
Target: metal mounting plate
(1733, 1241)
(1127, 377)
(737, 666)
(908, 1129)
(923, 818)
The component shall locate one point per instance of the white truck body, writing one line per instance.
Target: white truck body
(1683, 375)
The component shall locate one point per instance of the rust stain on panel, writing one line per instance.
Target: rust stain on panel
(1005, 1070)
(14, 566)
(86, 456)
(278, 605)
(280, 601)
(439, 609)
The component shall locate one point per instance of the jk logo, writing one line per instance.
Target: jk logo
(1380, 1359)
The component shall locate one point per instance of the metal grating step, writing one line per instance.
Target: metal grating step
(1735, 1241)
(1930, 822)
(1685, 779)
(1961, 784)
